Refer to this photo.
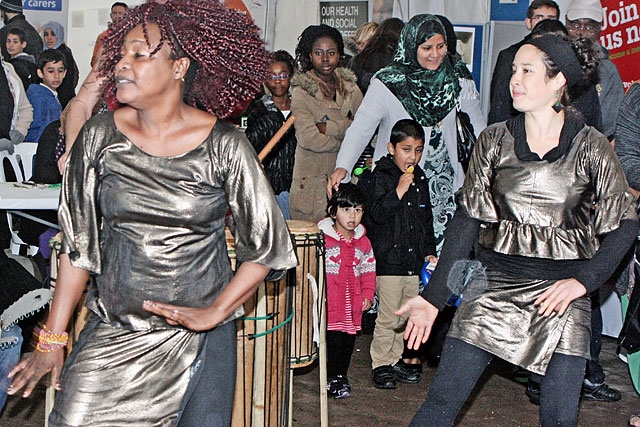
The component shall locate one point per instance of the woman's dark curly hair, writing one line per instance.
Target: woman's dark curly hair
(309, 37)
(228, 59)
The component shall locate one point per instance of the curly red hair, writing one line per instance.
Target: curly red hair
(228, 58)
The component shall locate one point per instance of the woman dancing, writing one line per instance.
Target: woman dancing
(548, 208)
(145, 194)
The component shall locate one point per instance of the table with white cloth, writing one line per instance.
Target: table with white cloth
(16, 197)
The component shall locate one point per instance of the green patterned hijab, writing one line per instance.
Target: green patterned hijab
(427, 95)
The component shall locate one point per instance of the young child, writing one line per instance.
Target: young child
(43, 97)
(23, 63)
(400, 224)
(351, 282)
(16, 114)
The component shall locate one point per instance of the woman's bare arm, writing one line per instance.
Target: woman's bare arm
(71, 282)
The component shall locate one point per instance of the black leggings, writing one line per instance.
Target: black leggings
(461, 367)
(339, 350)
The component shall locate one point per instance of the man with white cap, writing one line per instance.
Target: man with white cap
(584, 20)
(13, 18)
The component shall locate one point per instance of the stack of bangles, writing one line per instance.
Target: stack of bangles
(49, 340)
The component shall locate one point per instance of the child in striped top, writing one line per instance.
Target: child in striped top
(351, 282)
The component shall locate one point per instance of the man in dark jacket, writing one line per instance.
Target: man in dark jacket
(584, 19)
(13, 18)
(501, 107)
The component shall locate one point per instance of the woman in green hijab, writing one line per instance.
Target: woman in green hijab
(427, 84)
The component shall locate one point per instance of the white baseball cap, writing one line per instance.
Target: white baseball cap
(585, 9)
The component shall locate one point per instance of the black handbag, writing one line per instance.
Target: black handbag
(466, 138)
(629, 337)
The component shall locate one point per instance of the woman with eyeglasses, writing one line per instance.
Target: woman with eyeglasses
(265, 116)
(324, 100)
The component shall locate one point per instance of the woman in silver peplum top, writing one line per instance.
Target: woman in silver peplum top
(547, 206)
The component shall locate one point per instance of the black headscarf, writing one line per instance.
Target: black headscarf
(561, 53)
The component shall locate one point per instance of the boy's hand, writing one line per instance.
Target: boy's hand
(403, 184)
(431, 258)
(16, 137)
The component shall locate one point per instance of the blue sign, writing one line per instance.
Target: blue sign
(514, 11)
(55, 5)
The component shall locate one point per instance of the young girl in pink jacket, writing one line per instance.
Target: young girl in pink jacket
(351, 282)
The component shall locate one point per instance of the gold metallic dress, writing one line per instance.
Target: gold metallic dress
(153, 228)
(536, 209)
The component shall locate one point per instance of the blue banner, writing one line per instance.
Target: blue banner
(55, 5)
(516, 10)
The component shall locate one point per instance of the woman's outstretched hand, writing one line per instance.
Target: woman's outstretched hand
(422, 314)
(28, 372)
(334, 180)
(195, 319)
(557, 298)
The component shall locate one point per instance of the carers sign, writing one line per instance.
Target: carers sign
(55, 5)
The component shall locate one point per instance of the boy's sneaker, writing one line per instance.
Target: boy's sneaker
(339, 387)
(407, 373)
(599, 393)
(383, 377)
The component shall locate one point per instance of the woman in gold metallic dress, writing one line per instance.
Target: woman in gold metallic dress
(145, 195)
(546, 207)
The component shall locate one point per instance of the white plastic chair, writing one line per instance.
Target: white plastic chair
(14, 161)
(15, 165)
(26, 153)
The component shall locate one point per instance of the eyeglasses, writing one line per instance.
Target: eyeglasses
(278, 77)
(539, 18)
(589, 28)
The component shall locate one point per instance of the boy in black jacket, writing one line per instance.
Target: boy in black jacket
(399, 221)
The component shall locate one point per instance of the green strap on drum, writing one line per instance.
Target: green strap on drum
(268, 317)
